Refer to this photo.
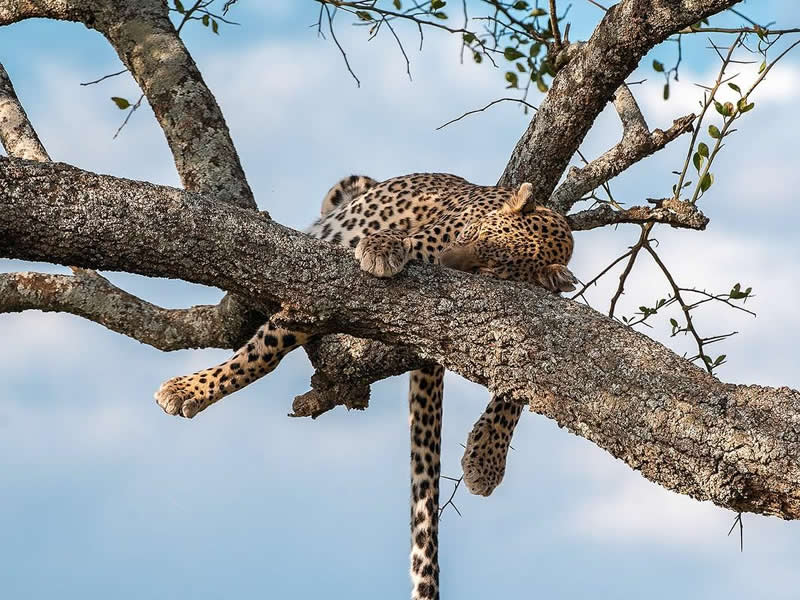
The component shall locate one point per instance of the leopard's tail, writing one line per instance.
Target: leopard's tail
(344, 191)
(425, 421)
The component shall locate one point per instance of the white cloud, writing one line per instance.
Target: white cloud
(637, 511)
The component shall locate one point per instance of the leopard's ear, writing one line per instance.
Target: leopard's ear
(516, 202)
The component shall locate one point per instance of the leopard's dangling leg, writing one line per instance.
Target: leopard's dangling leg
(187, 395)
(486, 451)
(425, 424)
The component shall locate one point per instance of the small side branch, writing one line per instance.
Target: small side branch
(637, 143)
(91, 296)
(668, 211)
(16, 132)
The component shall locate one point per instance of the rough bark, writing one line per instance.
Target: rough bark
(87, 294)
(16, 133)
(583, 87)
(736, 445)
(148, 45)
(668, 211)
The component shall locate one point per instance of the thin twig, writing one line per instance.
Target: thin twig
(554, 26)
(450, 500)
(338, 45)
(104, 77)
(492, 103)
(624, 275)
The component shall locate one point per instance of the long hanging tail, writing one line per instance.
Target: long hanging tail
(425, 423)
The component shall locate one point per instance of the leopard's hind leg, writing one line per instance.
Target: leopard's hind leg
(486, 451)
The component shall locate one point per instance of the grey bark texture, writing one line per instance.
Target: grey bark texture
(89, 295)
(736, 445)
(16, 132)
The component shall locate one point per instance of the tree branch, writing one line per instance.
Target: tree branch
(16, 132)
(637, 143)
(668, 211)
(89, 295)
(582, 88)
(733, 444)
(148, 45)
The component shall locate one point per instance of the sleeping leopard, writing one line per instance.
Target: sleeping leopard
(434, 218)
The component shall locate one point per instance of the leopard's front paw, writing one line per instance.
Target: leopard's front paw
(178, 396)
(382, 255)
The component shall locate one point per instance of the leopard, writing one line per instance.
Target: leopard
(436, 218)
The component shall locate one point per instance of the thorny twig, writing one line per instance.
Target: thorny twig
(453, 495)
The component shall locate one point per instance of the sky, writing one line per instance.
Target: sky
(102, 494)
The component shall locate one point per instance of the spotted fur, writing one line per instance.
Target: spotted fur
(431, 218)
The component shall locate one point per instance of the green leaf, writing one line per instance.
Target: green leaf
(735, 88)
(121, 103)
(673, 322)
(736, 292)
(702, 150)
(521, 5)
(538, 12)
(476, 56)
(666, 91)
(440, 15)
(521, 68)
(437, 4)
(512, 53)
(713, 131)
(697, 160)
(658, 67)
(512, 79)
(743, 106)
(706, 181)
(397, 4)
(720, 108)
(205, 20)
(179, 6)
(364, 15)
(763, 67)
(214, 26)
(469, 37)
(541, 85)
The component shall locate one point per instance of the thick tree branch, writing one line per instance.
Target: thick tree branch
(148, 45)
(582, 88)
(87, 294)
(736, 445)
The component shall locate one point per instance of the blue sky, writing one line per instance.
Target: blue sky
(104, 495)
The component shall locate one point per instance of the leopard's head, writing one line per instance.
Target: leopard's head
(532, 245)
